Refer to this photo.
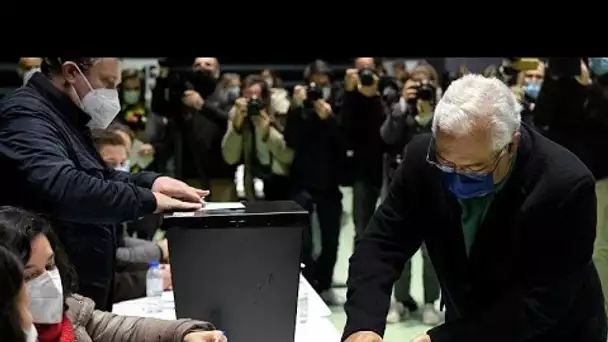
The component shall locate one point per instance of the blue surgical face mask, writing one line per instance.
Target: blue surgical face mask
(465, 186)
(532, 89)
(599, 65)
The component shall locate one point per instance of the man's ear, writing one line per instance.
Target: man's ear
(69, 71)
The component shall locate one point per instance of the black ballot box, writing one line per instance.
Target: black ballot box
(239, 269)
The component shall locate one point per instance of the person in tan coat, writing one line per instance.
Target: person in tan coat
(255, 137)
(63, 316)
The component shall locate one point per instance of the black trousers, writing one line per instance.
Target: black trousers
(429, 280)
(365, 198)
(328, 205)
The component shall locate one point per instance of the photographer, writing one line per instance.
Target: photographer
(319, 73)
(572, 110)
(527, 88)
(314, 135)
(255, 137)
(410, 116)
(362, 114)
(194, 103)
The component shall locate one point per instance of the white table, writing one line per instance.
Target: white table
(318, 327)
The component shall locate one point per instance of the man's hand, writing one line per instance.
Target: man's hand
(422, 338)
(193, 99)
(164, 247)
(410, 90)
(351, 80)
(146, 150)
(178, 189)
(299, 94)
(364, 336)
(323, 109)
(263, 123)
(239, 112)
(165, 271)
(165, 203)
(205, 336)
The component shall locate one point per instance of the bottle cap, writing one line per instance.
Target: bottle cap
(153, 263)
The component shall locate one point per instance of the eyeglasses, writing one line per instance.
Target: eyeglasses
(448, 167)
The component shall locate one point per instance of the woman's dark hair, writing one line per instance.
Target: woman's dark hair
(18, 227)
(257, 79)
(52, 65)
(11, 284)
(319, 66)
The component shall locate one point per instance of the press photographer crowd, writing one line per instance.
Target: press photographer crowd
(500, 179)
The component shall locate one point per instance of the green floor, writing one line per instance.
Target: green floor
(400, 332)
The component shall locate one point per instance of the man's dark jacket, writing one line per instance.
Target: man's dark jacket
(50, 165)
(529, 276)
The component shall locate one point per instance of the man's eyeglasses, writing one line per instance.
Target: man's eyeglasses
(448, 167)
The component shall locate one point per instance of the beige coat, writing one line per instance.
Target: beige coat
(92, 325)
(237, 147)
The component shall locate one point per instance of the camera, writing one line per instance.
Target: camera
(366, 76)
(426, 91)
(389, 89)
(254, 106)
(314, 92)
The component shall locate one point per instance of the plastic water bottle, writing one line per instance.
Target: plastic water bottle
(154, 288)
(302, 305)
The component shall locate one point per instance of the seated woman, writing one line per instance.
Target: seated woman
(58, 313)
(15, 319)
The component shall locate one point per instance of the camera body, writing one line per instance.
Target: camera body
(366, 76)
(426, 91)
(389, 89)
(314, 92)
(254, 106)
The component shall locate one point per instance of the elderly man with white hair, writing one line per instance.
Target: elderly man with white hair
(508, 218)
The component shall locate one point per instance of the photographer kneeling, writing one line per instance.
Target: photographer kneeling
(314, 135)
(255, 137)
(410, 116)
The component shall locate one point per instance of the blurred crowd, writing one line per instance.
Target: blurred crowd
(247, 137)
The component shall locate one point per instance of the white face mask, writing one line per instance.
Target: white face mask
(28, 74)
(46, 298)
(101, 104)
(31, 334)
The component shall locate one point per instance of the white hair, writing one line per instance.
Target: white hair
(475, 100)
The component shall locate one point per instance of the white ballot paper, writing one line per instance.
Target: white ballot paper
(212, 206)
(136, 158)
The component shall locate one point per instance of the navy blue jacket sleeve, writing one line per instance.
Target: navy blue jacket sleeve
(143, 179)
(34, 148)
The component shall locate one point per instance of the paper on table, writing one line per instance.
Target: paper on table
(210, 206)
(136, 158)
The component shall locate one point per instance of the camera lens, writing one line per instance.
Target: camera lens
(366, 76)
(314, 92)
(254, 106)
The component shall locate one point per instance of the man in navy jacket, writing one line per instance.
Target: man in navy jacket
(50, 165)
